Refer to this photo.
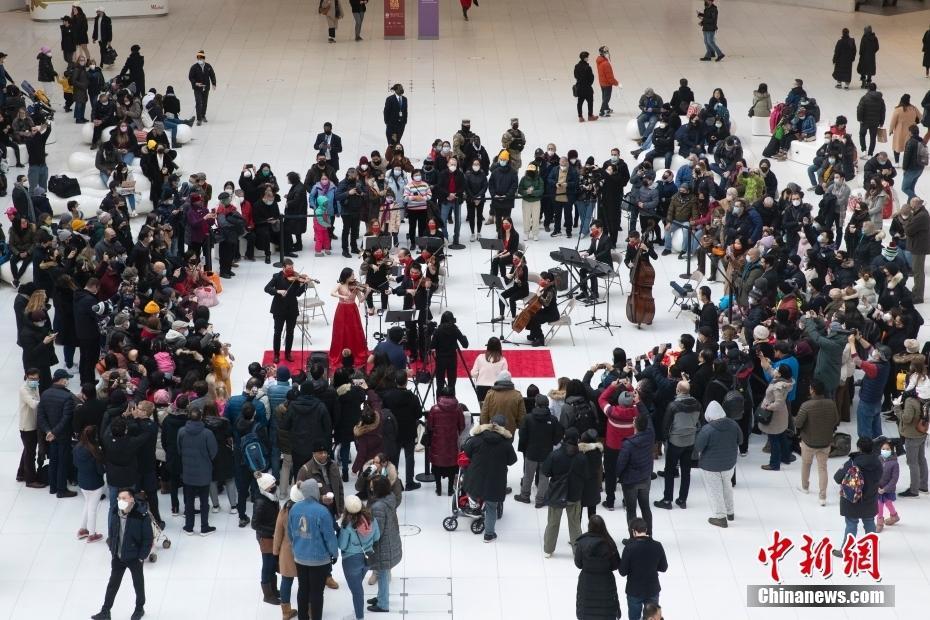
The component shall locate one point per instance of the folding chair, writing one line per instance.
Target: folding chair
(564, 320)
(686, 292)
(313, 304)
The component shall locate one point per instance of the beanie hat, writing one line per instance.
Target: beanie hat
(589, 436)
(571, 436)
(295, 494)
(353, 504)
(891, 251)
(911, 346)
(499, 420)
(625, 399)
(503, 376)
(151, 308)
(162, 397)
(266, 481)
(760, 332)
(179, 325)
(504, 155)
(78, 225)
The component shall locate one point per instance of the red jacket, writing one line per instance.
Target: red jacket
(619, 419)
(246, 208)
(444, 422)
(605, 73)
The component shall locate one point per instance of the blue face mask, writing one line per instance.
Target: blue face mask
(502, 163)
(32, 384)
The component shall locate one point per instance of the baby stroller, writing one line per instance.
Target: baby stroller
(41, 108)
(158, 535)
(466, 506)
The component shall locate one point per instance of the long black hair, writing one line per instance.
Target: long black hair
(597, 527)
(345, 274)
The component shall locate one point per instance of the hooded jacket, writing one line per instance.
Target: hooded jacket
(619, 419)
(830, 354)
(682, 420)
(539, 432)
(634, 462)
(197, 447)
(503, 399)
(445, 423)
(567, 470)
(490, 449)
(717, 443)
(593, 454)
(870, 469)
(136, 540)
(307, 421)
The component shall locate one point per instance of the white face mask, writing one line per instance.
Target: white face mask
(397, 171)
(476, 168)
(201, 62)
(886, 454)
(718, 125)
(796, 203)
(363, 167)
(551, 151)
(452, 167)
(417, 177)
(123, 505)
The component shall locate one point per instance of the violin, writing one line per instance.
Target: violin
(640, 305)
(301, 278)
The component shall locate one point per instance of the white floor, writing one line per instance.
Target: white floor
(278, 82)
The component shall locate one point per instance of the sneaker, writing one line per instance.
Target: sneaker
(215, 509)
(523, 499)
(704, 58)
(721, 522)
(547, 555)
(189, 532)
(232, 510)
(823, 501)
(243, 521)
(103, 614)
(681, 503)
(490, 538)
(473, 237)
(374, 608)
(412, 486)
(768, 467)
(721, 57)
(82, 534)
(555, 233)
(207, 530)
(908, 493)
(94, 538)
(731, 517)
(536, 237)
(663, 503)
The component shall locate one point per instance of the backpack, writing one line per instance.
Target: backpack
(64, 186)
(923, 155)
(253, 453)
(851, 486)
(584, 417)
(733, 403)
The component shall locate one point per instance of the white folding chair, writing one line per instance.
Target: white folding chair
(564, 320)
(311, 304)
(682, 294)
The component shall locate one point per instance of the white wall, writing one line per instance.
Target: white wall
(12, 5)
(844, 6)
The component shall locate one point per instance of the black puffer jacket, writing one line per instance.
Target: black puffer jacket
(871, 109)
(539, 433)
(308, 421)
(223, 461)
(596, 597)
(870, 468)
(264, 516)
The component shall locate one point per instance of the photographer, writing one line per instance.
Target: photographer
(446, 340)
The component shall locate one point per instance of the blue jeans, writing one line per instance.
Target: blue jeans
(130, 202)
(285, 589)
(869, 419)
(384, 589)
(456, 210)
(852, 527)
(172, 126)
(646, 121)
(353, 567)
(269, 565)
(585, 210)
(490, 517)
(79, 107)
(38, 176)
(710, 45)
(675, 226)
(909, 180)
(345, 455)
(105, 179)
(635, 604)
(59, 461)
(779, 450)
(813, 171)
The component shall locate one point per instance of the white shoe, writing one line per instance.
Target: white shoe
(547, 555)
(472, 239)
(536, 237)
(232, 510)
(803, 490)
(823, 501)
(215, 509)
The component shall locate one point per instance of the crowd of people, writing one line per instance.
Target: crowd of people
(818, 312)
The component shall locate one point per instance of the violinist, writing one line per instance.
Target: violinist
(376, 267)
(599, 250)
(285, 287)
(434, 231)
(417, 291)
(429, 266)
(635, 243)
(347, 323)
(548, 312)
(511, 241)
(519, 289)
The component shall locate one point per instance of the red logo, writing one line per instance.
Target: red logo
(859, 556)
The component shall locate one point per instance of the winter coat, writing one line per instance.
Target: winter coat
(47, 72)
(682, 421)
(605, 73)
(593, 454)
(350, 398)
(917, 227)
(296, 204)
(281, 545)
(829, 355)
(503, 399)
(890, 470)
(369, 471)
(566, 469)
(844, 52)
(388, 550)
(491, 452)
(444, 423)
(761, 104)
(899, 129)
(619, 419)
(868, 48)
(368, 442)
(308, 422)
(137, 537)
(328, 477)
(717, 444)
(89, 470)
(871, 109)
(584, 79)
(539, 433)
(816, 421)
(634, 462)
(36, 353)
(641, 562)
(776, 395)
(596, 595)
(55, 411)
(407, 411)
(197, 447)
(264, 516)
(907, 419)
(223, 468)
(870, 468)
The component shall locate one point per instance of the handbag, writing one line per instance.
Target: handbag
(764, 416)
(206, 296)
(213, 277)
(574, 90)
(882, 135)
(368, 553)
(751, 113)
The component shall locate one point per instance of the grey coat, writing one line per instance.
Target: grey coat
(681, 421)
(389, 550)
(717, 443)
(197, 447)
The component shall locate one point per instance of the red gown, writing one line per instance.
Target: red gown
(348, 333)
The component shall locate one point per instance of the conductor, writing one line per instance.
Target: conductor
(599, 250)
(285, 287)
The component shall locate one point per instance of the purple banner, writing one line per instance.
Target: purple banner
(428, 15)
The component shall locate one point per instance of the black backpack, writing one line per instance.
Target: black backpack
(64, 186)
(584, 417)
(733, 402)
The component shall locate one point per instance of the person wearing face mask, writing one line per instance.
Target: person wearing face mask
(130, 541)
(264, 518)
(80, 82)
(530, 191)
(562, 185)
(417, 194)
(613, 181)
(351, 195)
(588, 187)
(682, 210)
(202, 78)
(513, 141)
(461, 139)
(584, 86)
(450, 192)
(796, 217)
(28, 430)
(606, 79)
(876, 369)
(476, 187)
(548, 312)
(599, 250)
(395, 115)
(102, 116)
(284, 287)
(502, 185)
(329, 144)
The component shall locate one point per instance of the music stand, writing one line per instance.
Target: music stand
(382, 242)
(429, 243)
(598, 269)
(493, 284)
(495, 245)
(399, 316)
(687, 274)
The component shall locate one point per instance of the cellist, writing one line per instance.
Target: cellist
(634, 243)
(549, 310)
(640, 305)
(519, 289)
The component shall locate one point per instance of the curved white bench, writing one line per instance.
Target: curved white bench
(632, 130)
(760, 126)
(184, 134)
(87, 132)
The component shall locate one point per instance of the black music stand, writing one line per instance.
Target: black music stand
(399, 316)
(687, 228)
(493, 284)
(598, 269)
(382, 242)
(429, 243)
(572, 259)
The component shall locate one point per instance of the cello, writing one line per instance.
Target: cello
(533, 306)
(640, 305)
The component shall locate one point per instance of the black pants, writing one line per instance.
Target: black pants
(117, 568)
(446, 368)
(90, 353)
(872, 131)
(150, 487)
(638, 494)
(394, 133)
(311, 582)
(287, 324)
(583, 282)
(535, 328)
(474, 215)
(674, 457)
(263, 235)
(227, 253)
(500, 264)
(482, 391)
(103, 48)
(201, 95)
(202, 248)
(190, 492)
(59, 464)
(511, 296)
(27, 460)
(610, 474)
(409, 448)
(589, 98)
(349, 232)
(416, 221)
(20, 269)
(606, 92)
(370, 300)
(562, 210)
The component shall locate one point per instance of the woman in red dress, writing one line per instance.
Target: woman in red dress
(347, 323)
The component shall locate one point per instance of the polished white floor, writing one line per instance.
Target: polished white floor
(278, 82)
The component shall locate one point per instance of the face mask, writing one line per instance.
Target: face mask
(832, 160)
(506, 225)
(446, 150)
(40, 324)
(886, 454)
(563, 168)
(764, 168)
(431, 226)
(201, 62)
(414, 276)
(662, 125)
(476, 168)
(718, 125)
(452, 167)
(32, 384)
(123, 505)
(615, 158)
(417, 177)
(737, 211)
(796, 203)
(551, 151)
(572, 161)
(266, 173)
(397, 171)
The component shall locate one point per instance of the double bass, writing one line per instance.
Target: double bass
(640, 305)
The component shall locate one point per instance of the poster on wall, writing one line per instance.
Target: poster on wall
(52, 10)
(395, 21)
(428, 15)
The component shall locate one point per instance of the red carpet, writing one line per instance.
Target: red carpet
(523, 364)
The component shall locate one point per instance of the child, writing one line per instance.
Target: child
(66, 89)
(886, 487)
(321, 240)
